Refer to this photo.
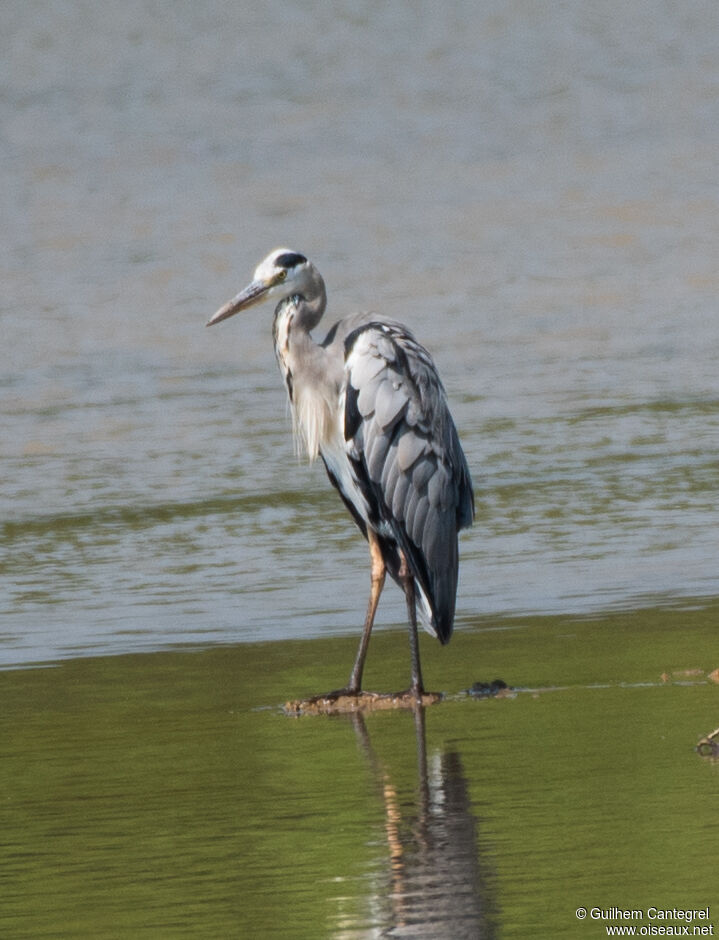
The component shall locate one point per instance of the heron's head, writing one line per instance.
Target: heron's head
(283, 273)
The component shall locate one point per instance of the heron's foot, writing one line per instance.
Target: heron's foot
(415, 696)
(343, 701)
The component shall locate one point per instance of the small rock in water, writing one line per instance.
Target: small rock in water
(498, 688)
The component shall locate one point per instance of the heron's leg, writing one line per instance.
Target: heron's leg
(377, 574)
(407, 579)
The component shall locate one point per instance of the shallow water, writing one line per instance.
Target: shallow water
(167, 795)
(534, 194)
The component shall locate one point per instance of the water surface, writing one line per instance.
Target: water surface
(533, 191)
(166, 794)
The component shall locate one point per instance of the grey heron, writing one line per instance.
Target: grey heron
(368, 400)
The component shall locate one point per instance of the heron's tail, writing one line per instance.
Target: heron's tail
(436, 581)
(426, 614)
(436, 611)
(436, 591)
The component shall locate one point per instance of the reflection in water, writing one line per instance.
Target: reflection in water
(708, 747)
(436, 886)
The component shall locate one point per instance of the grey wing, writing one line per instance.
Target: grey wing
(407, 459)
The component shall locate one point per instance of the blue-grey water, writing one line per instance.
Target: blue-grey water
(532, 187)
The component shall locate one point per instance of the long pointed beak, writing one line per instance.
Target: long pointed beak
(251, 295)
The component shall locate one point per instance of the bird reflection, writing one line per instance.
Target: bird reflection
(437, 887)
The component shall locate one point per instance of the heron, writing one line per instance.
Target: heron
(368, 400)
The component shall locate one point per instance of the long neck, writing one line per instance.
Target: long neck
(310, 306)
(312, 386)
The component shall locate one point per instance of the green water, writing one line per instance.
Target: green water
(167, 795)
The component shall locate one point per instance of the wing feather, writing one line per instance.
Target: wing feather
(417, 518)
(400, 496)
(390, 400)
(376, 455)
(367, 397)
(390, 476)
(410, 448)
(422, 472)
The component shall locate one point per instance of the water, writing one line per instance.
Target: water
(166, 795)
(533, 189)
(534, 193)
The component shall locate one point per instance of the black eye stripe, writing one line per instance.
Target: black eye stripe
(290, 259)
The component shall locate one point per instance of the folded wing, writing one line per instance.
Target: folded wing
(407, 460)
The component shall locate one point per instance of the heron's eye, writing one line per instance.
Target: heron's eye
(281, 275)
